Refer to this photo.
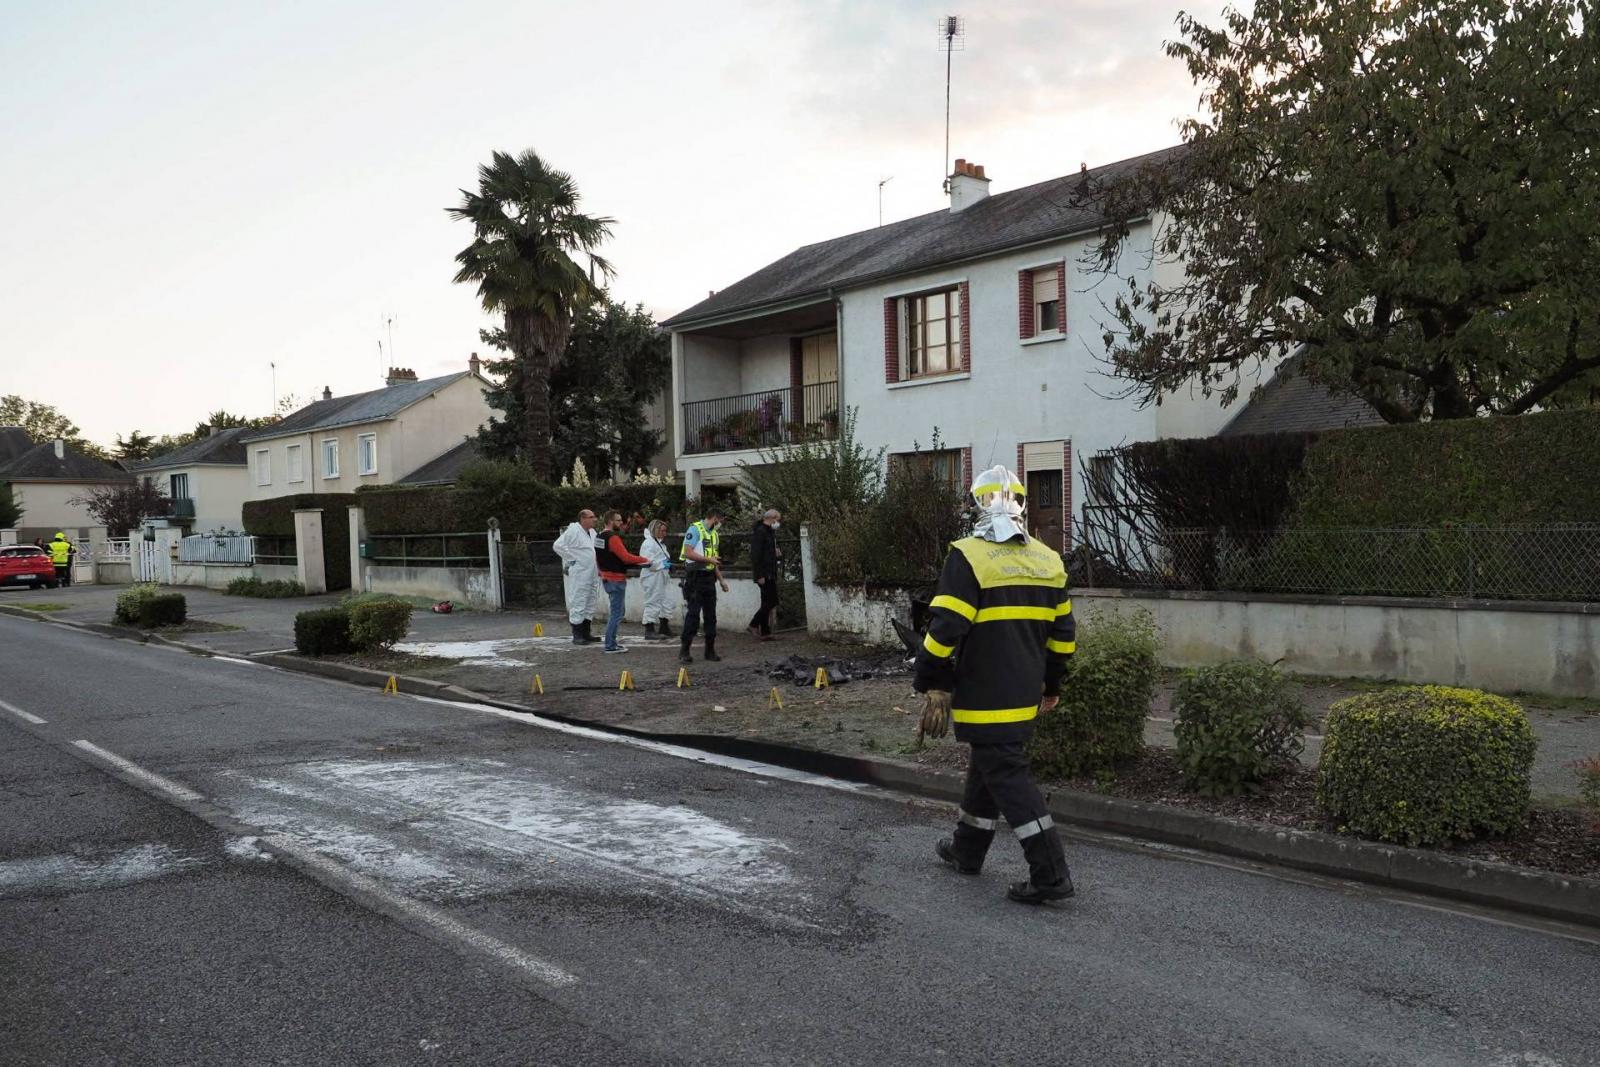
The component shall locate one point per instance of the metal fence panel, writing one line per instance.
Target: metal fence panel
(217, 548)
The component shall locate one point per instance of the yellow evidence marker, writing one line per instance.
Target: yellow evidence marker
(626, 681)
(537, 686)
(775, 701)
(392, 686)
(538, 629)
(822, 678)
(683, 677)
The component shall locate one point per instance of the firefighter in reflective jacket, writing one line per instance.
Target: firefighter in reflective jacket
(61, 553)
(997, 643)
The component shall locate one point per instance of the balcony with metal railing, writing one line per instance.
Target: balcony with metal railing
(766, 419)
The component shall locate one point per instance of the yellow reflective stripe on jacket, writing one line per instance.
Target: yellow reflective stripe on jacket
(942, 651)
(1064, 608)
(955, 604)
(1066, 648)
(995, 715)
(1014, 614)
(995, 487)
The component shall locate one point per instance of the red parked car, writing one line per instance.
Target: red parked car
(26, 565)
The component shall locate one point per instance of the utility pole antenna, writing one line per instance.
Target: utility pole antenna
(383, 369)
(273, 410)
(881, 184)
(390, 322)
(952, 38)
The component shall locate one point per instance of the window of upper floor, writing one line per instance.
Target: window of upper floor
(263, 466)
(178, 486)
(367, 453)
(330, 458)
(1041, 312)
(932, 340)
(294, 456)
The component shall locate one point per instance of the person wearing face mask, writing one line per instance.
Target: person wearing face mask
(580, 574)
(703, 562)
(764, 556)
(656, 579)
(999, 633)
(614, 559)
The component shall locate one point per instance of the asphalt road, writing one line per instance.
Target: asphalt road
(319, 873)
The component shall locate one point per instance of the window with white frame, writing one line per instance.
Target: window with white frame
(263, 467)
(178, 486)
(1046, 301)
(367, 453)
(295, 459)
(330, 458)
(933, 333)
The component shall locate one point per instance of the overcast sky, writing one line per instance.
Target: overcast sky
(195, 190)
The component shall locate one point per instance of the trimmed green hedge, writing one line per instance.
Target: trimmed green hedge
(324, 632)
(275, 518)
(379, 624)
(1105, 696)
(1517, 469)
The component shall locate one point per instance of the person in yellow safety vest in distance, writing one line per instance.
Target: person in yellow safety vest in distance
(701, 554)
(61, 553)
(999, 634)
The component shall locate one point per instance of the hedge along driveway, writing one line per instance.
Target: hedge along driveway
(275, 518)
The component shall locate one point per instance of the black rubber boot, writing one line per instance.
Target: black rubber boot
(711, 653)
(665, 629)
(1028, 893)
(683, 654)
(577, 634)
(946, 848)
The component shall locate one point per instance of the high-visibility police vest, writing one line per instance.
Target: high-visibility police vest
(1005, 608)
(60, 553)
(709, 541)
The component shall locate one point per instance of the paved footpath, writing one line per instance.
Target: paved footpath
(459, 886)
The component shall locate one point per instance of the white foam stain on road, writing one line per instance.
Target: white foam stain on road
(510, 652)
(73, 872)
(460, 830)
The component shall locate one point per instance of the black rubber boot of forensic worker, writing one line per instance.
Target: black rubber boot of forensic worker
(666, 630)
(650, 632)
(946, 848)
(577, 634)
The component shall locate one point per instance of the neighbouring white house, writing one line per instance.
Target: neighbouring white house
(981, 321)
(339, 444)
(205, 480)
(49, 479)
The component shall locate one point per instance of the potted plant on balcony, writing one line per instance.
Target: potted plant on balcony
(770, 414)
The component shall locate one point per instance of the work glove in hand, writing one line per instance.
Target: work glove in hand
(935, 714)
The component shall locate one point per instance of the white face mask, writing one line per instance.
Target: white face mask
(777, 526)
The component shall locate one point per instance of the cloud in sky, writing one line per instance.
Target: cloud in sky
(196, 190)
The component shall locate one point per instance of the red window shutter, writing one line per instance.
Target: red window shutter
(1061, 294)
(891, 340)
(966, 328)
(1066, 496)
(1024, 304)
(966, 468)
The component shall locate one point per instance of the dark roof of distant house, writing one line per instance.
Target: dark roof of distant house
(225, 448)
(445, 469)
(374, 406)
(40, 464)
(14, 441)
(994, 224)
(1292, 403)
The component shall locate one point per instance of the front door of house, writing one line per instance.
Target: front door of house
(1044, 508)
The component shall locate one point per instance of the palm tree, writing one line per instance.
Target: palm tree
(528, 231)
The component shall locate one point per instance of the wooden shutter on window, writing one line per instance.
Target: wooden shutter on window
(891, 340)
(966, 329)
(1061, 295)
(1024, 304)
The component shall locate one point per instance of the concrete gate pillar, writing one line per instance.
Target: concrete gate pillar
(358, 534)
(310, 566)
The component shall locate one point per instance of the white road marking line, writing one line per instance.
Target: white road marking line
(151, 778)
(423, 913)
(19, 713)
(245, 662)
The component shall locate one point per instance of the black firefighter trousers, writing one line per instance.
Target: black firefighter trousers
(999, 783)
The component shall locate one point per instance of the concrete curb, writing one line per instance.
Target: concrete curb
(1556, 896)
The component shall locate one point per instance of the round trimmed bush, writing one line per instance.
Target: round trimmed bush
(323, 632)
(1236, 725)
(1424, 765)
(379, 624)
(1105, 697)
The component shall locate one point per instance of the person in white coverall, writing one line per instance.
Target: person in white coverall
(657, 582)
(580, 575)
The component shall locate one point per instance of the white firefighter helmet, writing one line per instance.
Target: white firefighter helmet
(1001, 499)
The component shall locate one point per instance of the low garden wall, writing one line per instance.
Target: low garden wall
(113, 573)
(853, 613)
(1500, 646)
(215, 575)
(469, 586)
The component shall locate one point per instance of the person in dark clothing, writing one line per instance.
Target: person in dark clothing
(764, 557)
(999, 634)
(701, 555)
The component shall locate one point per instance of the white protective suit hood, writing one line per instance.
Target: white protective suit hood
(1000, 497)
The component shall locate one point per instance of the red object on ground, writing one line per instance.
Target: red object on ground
(444, 607)
(26, 565)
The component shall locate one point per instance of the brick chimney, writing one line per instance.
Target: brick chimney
(475, 365)
(327, 393)
(968, 185)
(61, 448)
(400, 374)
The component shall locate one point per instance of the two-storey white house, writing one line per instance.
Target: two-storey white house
(981, 321)
(338, 444)
(205, 480)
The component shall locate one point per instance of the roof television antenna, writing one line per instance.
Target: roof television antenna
(952, 38)
(881, 184)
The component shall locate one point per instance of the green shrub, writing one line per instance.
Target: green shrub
(1105, 697)
(274, 589)
(1424, 765)
(1236, 724)
(274, 519)
(1588, 771)
(163, 609)
(324, 632)
(379, 624)
(128, 601)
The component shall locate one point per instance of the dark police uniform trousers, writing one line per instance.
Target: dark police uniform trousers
(999, 633)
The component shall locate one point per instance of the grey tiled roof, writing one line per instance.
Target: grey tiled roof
(224, 448)
(444, 469)
(1292, 403)
(374, 406)
(14, 441)
(39, 464)
(999, 222)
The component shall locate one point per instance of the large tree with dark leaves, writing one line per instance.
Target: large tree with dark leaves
(616, 362)
(1408, 191)
(528, 238)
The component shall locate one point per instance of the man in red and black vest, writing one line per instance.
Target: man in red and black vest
(614, 559)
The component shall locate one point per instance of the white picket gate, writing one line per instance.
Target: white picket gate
(146, 560)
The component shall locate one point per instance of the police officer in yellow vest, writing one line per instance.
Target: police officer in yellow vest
(999, 635)
(701, 556)
(61, 553)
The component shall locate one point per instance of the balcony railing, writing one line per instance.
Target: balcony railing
(762, 420)
(182, 507)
